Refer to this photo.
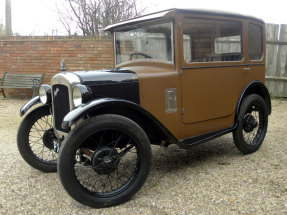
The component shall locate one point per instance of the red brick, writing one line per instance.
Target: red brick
(43, 55)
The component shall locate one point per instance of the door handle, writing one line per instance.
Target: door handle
(246, 68)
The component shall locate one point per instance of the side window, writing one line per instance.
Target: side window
(187, 48)
(211, 40)
(255, 47)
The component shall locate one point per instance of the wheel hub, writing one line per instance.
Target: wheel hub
(104, 160)
(249, 123)
(48, 138)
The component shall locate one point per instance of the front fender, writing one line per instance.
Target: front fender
(95, 105)
(84, 109)
(29, 104)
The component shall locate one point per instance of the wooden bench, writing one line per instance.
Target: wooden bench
(15, 80)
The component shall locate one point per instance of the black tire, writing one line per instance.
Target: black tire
(252, 124)
(105, 147)
(36, 125)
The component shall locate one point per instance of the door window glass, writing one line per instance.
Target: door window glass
(255, 48)
(211, 40)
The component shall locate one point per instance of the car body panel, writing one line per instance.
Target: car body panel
(207, 92)
(118, 83)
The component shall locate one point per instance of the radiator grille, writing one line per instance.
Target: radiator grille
(61, 105)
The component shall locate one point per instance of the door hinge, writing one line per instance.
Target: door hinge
(180, 72)
(182, 110)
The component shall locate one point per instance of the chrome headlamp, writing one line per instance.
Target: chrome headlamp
(45, 94)
(81, 94)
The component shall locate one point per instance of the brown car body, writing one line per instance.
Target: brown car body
(207, 93)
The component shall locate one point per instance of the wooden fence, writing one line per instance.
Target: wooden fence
(276, 61)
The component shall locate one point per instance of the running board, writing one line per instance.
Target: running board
(192, 141)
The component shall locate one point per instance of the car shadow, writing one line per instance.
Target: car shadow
(219, 151)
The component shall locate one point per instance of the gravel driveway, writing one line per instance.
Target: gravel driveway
(212, 178)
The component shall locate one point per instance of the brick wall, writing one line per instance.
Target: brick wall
(43, 55)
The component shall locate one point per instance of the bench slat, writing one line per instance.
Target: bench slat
(15, 87)
(18, 77)
(21, 80)
(23, 75)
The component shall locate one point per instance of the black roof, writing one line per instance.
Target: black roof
(164, 13)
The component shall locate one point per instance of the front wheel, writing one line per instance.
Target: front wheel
(104, 161)
(35, 140)
(252, 124)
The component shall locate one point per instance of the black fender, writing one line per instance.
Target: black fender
(91, 107)
(255, 87)
(29, 104)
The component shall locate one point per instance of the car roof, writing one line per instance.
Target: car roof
(166, 13)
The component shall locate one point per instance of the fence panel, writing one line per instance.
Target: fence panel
(272, 31)
(276, 59)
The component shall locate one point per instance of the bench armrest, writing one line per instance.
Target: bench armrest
(37, 82)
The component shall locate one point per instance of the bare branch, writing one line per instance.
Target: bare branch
(92, 16)
(64, 20)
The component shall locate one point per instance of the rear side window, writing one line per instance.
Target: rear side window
(207, 40)
(255, 47)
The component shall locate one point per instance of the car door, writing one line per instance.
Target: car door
(212, 68)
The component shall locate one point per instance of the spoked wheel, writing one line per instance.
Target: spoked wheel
(252, 124)
(104, 161)
(36, 138)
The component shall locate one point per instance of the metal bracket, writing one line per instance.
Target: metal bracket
(56, 145)
(170, 100)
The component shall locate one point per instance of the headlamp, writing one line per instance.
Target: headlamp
(45, 94)
(81, 94)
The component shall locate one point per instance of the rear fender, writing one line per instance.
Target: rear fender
(255, 87)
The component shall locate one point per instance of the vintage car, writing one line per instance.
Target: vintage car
(181, 77)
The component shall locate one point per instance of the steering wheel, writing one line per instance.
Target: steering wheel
(139, 53)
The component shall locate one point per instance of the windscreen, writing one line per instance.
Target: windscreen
(147, 41)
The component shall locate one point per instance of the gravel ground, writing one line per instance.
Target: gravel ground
(212, 178)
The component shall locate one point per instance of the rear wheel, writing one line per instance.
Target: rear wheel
(104, 161)
(252, 124)
(35, 140)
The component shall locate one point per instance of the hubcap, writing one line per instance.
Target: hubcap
(249, 123)
(48, 138)
(105, 160)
